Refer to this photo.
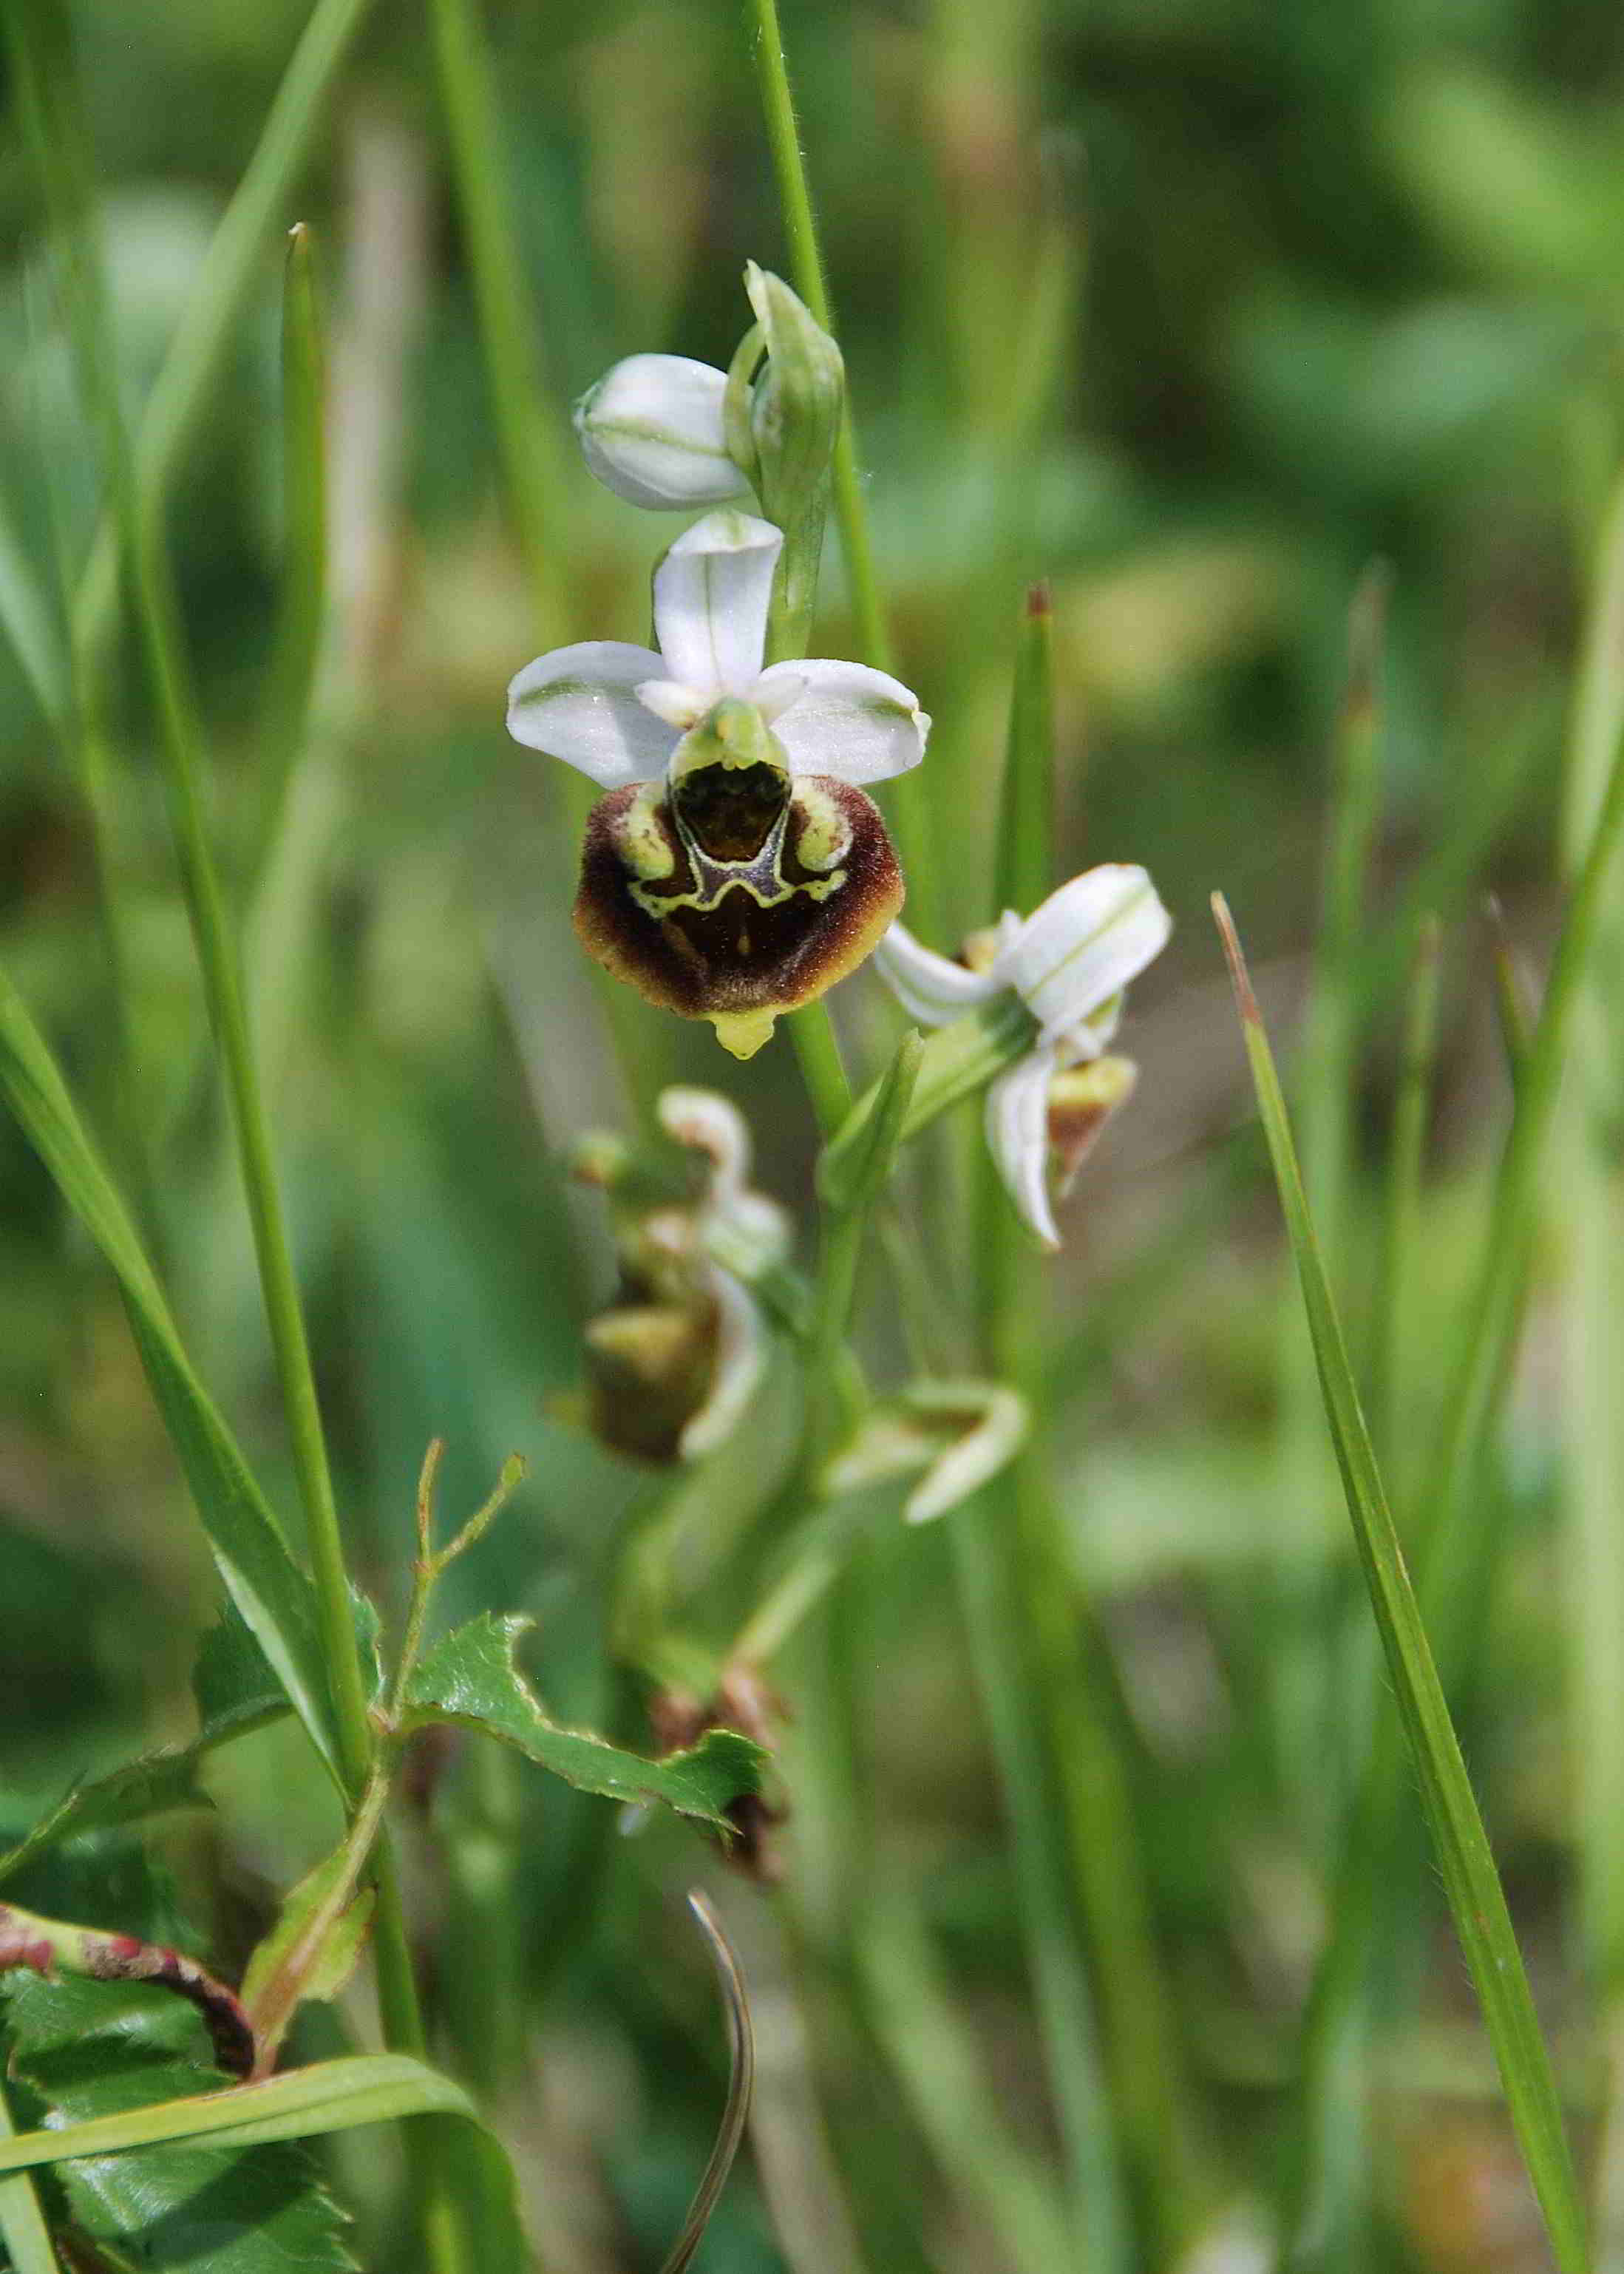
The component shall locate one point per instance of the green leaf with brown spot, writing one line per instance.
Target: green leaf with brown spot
(470, 1679)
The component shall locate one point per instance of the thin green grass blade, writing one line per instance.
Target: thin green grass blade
(1097, 1856)
(230, 280)
(1494, 1308)
(300, 631)
(1472, 1883)
(23, 2233)
(150, 1786)
(334, 2096)
(1511, 990)
(1308, 1727)
(524, 420)
(1026, 827)
(1503, 762)
(62, 158)
(1588, 1214)
(271, 1592)
(958, 2107)
(1401, 1212)
(29, 627)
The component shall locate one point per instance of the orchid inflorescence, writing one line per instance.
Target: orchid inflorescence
(734, 867)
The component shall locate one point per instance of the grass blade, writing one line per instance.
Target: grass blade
(1472, 1883)
(269, 1589)
(23, 2233)
(26, 622)
(1589, 1219)
(299, 634)
(1301, 1659)
(1401, 1195)
(1496, 1302)
(940, 2067)
(230, 278)
(334, 2096)
(525, 423)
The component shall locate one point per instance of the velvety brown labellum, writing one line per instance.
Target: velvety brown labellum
(736, 942)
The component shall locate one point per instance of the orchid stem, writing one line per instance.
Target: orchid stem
(812, 1031)
(907, 813)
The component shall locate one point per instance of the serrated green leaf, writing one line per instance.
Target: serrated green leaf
(470, 1678)
(236, 1692)
(232, 1680)
(273, 1594)
(158, 1781)
(112, 2059)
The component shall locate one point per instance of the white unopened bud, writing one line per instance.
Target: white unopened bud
(652, 431)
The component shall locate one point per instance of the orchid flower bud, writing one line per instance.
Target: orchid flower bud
(796, 412)
(652, 431)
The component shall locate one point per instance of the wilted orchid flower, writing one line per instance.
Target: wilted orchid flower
(735, 869)
(1069, 963)
(676, 1358)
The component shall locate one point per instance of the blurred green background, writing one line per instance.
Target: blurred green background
(1194, 307)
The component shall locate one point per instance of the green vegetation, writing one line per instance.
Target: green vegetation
(1100, 1697)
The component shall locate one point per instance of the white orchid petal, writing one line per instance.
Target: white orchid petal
(651, 431)
(994, 1422)
(1090, 1038)
(928, 987)
(711, 594)
(681, 707)
(580, 703)
(779, 690)
(959, 1433)
(740, 1359)
(1083, 945)
(859, 725)
(1017, 1124)
(711, 1124)
(758, 1232)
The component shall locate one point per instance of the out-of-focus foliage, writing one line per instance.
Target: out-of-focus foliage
(1330, 283)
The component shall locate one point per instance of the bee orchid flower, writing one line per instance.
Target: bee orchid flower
(1068, 964)
(735, 869)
